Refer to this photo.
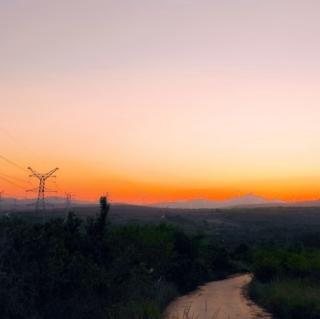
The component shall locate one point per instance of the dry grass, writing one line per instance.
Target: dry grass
(188, 314)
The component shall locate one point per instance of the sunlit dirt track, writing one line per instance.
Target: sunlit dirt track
(223, 299)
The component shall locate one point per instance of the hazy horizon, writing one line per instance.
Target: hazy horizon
(159, 101)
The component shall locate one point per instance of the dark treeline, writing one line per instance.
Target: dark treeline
(90, 269)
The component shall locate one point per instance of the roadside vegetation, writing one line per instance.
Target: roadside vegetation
(287, 281)
(90, 269)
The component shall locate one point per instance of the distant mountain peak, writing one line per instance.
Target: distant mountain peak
(248, 200)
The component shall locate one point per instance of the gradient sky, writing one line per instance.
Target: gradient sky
(162, 100)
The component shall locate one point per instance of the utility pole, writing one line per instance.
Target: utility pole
(68, 201)
(41, 189)
(15, 205)
(1, 193)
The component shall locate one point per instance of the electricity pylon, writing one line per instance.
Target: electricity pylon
(41, 189)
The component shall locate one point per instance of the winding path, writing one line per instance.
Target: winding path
(224, 299)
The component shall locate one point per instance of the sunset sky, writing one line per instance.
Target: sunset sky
(161, 100)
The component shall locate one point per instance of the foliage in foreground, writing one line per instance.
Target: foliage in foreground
(75, 269)
(287, 282)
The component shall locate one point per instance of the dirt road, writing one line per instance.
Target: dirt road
(217, 300)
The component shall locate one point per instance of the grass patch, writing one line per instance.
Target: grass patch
(287, 282)
(288, 298)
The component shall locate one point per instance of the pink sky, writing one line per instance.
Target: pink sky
(159, 100)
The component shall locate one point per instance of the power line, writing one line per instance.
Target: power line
(15, 178)
(12, 162)
(14, 139)
(11, 182)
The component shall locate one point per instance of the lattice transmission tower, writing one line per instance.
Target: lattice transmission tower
(41, 189)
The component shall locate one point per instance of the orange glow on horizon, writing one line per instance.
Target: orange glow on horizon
(138, 192)
(161, 100)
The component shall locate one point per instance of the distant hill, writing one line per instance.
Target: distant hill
(246, 201)
(241, 201)
(11, 204)
(311, 203)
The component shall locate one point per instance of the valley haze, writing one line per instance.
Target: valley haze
(246, 201)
